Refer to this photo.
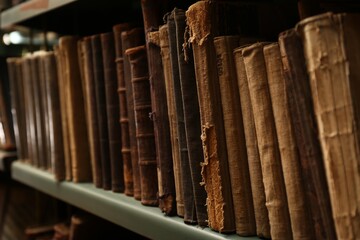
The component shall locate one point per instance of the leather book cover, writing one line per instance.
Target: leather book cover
(56, 147)
(215, 169)
(170, 98)
(75, 111)
(124, 120)
(91, 111)
(274, 185)
(306, 134)
(191, 111)
(234, 135)
(129, 39)
(59, 56)
(113, 111)
(298, 206)
(100, 94)
(253, 156)
(165, 172)
(144, 125)
(333, 65)
(189, 201)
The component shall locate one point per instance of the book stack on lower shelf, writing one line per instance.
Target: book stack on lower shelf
(225, 131)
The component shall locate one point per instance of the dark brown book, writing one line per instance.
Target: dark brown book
(98, 69)
(333, 65)
(189, 202)
(56, 147)
(267, 142)
(124, 120)
(256, 176)
(167, 193)
(91, 111)
(191, 110)
(75, 111)
(113, 111)
(170, 98)
(215, 169)
(129, 39)
(234, 135)
(144, 125)
(298, 206)
(306, 134)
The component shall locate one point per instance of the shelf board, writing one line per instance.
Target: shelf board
(5, 159)
(117, 208)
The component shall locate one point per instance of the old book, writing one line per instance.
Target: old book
(253, 156)
(165, 173)
(191, 111)
(298, 207)
(98, 71)
(91, 111)
(215, 170)
(112, 110)
(144, 125)
(129, 39)
(306, 134)
(334, 81)
(124, 120)
(274, 185)
(170, 98)
(234, 135)
(59, 57)
(75, 111)
(56, 145)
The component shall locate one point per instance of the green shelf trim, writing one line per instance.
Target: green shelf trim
(29, 9)
(115, 207)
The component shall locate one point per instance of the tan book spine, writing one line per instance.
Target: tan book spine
(274, 185)
(333, 65)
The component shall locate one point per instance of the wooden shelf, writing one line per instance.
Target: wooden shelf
(6, 158)
(117, 208)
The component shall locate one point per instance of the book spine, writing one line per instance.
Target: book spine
(215, 169)
(191, 116)
(256, 176)
(144, 125)
(112, 109)
(129, 39)
(167, 193)
(79, 146)
(333, 70)
(306, 135)
(298, 211)
(234, 135)
(124, 120)
(97, 56)
(267, 142)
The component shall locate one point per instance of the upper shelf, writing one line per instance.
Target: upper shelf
(117, 208)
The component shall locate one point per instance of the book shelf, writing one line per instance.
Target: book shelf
(114, 207)
(6, 158)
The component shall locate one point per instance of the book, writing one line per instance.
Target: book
(234, 135)
(144, 125)
(159, 115)
(297, 204)
(253, 156)
(215, 170)
(7, 140)
(75, 111)
(129, 39)
(124, 120)
(112, 110)
(274, 185)
(333, 72)
(91, 111)
(100, 94)
(306, 134)
(191, 111)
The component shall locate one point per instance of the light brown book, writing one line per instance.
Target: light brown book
(333, 65)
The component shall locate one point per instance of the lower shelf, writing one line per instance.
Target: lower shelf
(117, 208)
